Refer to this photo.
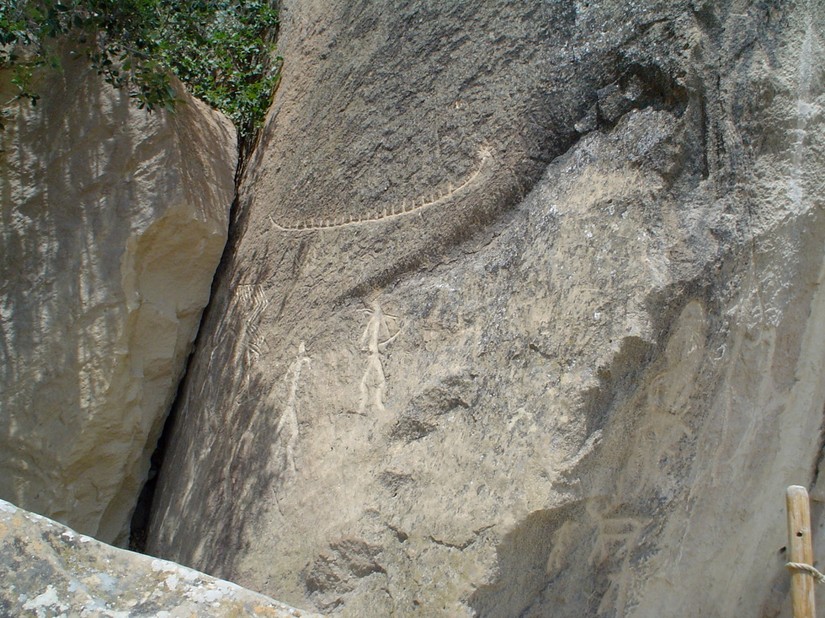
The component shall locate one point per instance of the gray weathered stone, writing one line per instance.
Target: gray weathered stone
(112, 222)
(525, 315)
(50, 570)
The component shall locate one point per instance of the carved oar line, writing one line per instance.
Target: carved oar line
(407, 208)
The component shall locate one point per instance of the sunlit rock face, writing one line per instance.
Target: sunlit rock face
(525, 315)
(50, 570)
(112, 222)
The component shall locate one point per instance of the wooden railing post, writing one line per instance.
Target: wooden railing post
(800, 550)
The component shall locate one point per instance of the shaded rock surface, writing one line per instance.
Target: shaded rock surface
(525, 315)
(112, 222)
(48, 570)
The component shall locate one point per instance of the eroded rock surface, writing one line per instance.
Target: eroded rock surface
(49, 570)
(112, 223)
(525, 317)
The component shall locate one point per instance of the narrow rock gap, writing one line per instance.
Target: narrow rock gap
(139, 527)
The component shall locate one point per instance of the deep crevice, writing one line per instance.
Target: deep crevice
(141, 518)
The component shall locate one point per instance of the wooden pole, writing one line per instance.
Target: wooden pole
(800, 549)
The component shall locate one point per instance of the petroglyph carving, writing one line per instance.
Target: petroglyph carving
(287, 430)
(562, 546)
(660, 435)
(251, 341)
(439, 196)
(616, 538)
(243, 345)
(374, 341)
(662, 427)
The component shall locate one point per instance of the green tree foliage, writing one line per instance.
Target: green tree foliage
(221, 49)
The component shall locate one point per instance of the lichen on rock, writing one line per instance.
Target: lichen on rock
(51, 570)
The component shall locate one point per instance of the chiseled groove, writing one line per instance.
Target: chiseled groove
(406, 208)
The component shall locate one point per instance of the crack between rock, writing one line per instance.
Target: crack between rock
(459, 546)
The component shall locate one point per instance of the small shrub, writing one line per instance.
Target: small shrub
(221, 49)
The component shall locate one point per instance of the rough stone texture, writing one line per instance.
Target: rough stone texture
(112, 222)
(525, 316)
(50, 570)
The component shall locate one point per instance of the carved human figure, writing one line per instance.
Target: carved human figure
(374, 341)
(287, 428)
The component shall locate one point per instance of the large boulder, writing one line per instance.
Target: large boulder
(113, 222)
(525, 317)
(48, 569)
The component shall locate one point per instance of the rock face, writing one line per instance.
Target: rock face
(113, 222)
(50, 570)
(525, 318)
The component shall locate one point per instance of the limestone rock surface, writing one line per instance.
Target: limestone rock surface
(112, 222)
(49, 570)
(525, 316)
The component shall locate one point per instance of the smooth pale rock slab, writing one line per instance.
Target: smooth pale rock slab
(112, 222)
(50, 570)
(526, 317)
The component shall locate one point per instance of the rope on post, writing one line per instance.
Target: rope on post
(801, 566)
(801, 553)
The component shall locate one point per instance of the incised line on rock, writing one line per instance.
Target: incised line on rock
(406, 207)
